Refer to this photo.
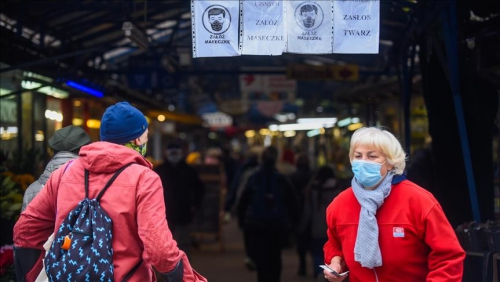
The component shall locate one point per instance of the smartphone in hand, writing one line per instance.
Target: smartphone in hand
(326, 267)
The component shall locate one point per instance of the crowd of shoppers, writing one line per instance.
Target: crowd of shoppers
(382, 228)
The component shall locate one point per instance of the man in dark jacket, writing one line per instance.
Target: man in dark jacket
(234, 189)
(183, 192)
(269, 208)
(300, 179)
(66, 144)
(234, 193)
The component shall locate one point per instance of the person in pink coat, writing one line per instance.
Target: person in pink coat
(141, 237)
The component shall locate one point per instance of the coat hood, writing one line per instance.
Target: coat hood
(108, 157)
(58, 160)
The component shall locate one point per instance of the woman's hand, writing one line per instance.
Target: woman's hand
(337, 265)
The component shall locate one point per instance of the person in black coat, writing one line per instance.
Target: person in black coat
(300, 180)
(268, 209)
(183, 192)
(235, 191)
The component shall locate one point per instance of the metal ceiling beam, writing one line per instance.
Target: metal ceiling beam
(91, 6)
(49, 59)
(80, 21)
(34, 20)
(118, 26)
(68, 17)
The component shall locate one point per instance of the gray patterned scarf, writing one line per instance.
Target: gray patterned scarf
(366, 249)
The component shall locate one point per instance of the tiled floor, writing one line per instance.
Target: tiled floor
(227, 266)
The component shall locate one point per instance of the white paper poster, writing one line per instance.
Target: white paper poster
(215, 28)
(309, 26)
(263, 27)
(356, 26)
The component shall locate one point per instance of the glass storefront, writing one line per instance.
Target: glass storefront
(8, 125)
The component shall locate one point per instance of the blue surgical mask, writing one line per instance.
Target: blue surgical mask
(367, 173)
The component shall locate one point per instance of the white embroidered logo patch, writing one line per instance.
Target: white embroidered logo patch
(398, 232)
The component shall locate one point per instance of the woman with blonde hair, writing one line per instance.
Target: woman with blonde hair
(385, 227)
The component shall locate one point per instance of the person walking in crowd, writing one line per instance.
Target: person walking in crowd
(183, 193)
(239, 180)
(229, 163)
(300, 179)
(287, 164)
(387, 228)
(66, 143)
(268, 208)
(234, 194)
(318, 196)
(133, 203)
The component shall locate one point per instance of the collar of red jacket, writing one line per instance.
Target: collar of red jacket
(398, 179)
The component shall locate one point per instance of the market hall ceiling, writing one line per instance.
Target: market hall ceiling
(85, 40)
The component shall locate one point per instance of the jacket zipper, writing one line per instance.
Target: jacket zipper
(79, 232)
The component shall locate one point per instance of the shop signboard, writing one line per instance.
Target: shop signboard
(217, 120)
(215, 28)
(267, 87)
(263, 27)
(234, 107)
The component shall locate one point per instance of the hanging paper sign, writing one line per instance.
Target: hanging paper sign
(309, 27)
(263, 27)
(356, 26)
(215, 28)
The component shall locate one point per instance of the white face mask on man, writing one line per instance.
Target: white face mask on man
(174, 156)
(174, 159)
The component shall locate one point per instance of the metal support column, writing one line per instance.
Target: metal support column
(406, 97)
(449, 22)
(406, 84)
(20, 125)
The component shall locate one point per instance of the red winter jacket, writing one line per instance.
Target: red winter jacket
(416, 240)
(134, 202)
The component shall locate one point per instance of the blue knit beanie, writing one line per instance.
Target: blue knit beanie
(122, 123)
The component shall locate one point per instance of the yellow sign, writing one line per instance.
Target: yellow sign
(346, 73)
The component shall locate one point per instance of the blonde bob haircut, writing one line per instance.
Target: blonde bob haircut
(383, 141)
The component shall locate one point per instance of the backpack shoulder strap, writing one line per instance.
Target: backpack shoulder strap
(110, 181)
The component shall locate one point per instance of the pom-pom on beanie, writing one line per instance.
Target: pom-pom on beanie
(122, 123)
